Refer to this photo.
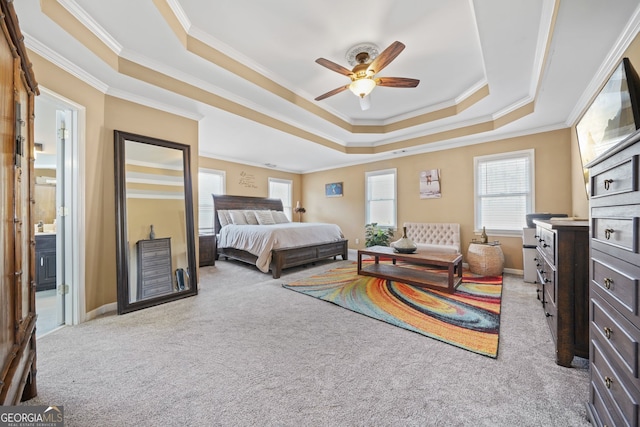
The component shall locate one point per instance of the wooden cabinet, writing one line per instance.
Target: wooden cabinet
(45, 262)
(17, 242)
(207, 252)
(155, 277)
(614, 388)
(563, 255)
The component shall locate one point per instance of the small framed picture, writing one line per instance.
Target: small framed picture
(333, 190)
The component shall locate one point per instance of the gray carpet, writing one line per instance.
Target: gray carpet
(246, 351)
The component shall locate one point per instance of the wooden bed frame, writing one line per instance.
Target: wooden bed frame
(280, 258)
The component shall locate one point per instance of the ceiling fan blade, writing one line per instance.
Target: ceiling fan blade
(334, 67)
(397, 82)
(332, 92)
(385, 57)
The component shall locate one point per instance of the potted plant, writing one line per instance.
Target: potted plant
(377, 236)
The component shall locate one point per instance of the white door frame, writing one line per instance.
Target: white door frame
(74, 256)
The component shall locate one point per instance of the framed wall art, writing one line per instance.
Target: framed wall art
(333, 190)
(430, 184)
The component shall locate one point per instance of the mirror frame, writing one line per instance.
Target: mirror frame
(122, 261)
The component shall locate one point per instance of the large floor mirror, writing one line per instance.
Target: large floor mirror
(155, 241)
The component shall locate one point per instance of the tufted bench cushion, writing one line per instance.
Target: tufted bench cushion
(433, 236)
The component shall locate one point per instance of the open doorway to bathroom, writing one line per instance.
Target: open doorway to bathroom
(55, 132)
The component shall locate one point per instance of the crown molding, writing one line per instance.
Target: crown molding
(92, 25)
(61, 62)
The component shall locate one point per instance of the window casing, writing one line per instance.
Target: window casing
(504, 191)
(381, 198)
(210, 181)
(282, 189)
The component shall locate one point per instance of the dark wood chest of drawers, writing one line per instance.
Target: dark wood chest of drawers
(154, 268)
(614, 389)
(562, 268)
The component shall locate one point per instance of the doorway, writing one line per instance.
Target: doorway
(57, 213)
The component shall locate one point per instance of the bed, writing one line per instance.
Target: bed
(281, 255)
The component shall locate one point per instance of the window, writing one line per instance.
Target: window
(281, 189)
(504, 191)
(381, 197)
(209, 182)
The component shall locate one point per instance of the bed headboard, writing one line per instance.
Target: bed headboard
(223, 202)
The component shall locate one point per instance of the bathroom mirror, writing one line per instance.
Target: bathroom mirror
(155, 244)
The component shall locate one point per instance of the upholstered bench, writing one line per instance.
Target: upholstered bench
(436, 237)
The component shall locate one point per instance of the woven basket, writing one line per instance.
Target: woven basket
(486, 260)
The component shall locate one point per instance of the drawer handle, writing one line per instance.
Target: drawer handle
(608, 282)
(607, 382)
(608, 232)
(607, 183)
(608, 332)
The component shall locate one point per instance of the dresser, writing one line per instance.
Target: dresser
(563, 276)
(614, 389)
(154, 268)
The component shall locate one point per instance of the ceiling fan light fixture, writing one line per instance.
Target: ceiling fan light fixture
(362, 87)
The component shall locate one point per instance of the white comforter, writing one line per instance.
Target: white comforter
(259, 240)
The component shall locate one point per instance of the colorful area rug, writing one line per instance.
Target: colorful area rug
(468, 318)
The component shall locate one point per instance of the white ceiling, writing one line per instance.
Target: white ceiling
(547, 57)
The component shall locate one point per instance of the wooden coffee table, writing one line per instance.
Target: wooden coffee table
(447, 283)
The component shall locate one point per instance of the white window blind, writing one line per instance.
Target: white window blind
(209, 182)
(282, 189)
(504, 191)
(381, 197)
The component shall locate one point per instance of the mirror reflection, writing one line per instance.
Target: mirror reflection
(155, 223)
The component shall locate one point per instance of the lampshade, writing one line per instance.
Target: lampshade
(362, 87)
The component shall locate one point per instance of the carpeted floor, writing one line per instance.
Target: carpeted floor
(247, 352)
(468, 318)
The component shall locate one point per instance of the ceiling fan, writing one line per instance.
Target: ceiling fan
(362, 76)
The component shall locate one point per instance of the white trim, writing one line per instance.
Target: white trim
(63, 63)
(77, 189)
(91, 24)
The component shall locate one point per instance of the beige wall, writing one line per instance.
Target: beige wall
(104, 114)
(553, 188)
(244, 180)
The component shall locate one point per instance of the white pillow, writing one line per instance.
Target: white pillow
(279, 217)
(251, 218)
(224, 218)
(238, 217)
(264, 217)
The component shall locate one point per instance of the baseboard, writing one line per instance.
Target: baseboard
(107, 308)
(514, 271)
